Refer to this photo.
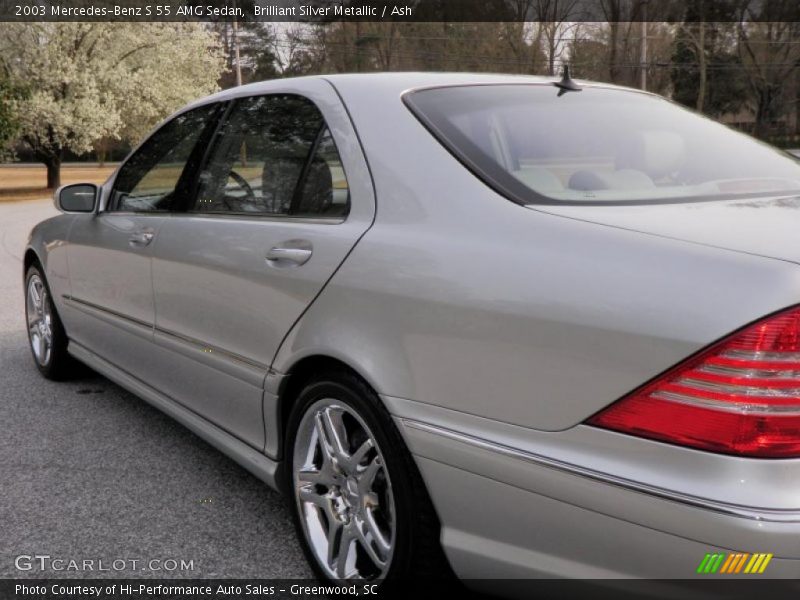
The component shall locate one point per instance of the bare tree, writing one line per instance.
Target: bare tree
(556, 17)
(620, 16)
(770, 55)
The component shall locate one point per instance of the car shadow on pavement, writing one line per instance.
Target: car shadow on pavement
(91, 471)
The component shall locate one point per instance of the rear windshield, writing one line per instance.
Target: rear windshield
(598, 146)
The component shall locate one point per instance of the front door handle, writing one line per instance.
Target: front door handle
(140, 239)
(291, 253)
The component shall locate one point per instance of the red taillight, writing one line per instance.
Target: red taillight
(740, 396)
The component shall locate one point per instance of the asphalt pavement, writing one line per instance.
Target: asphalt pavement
(89, 472)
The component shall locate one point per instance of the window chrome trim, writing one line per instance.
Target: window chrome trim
(744, 512)
(134, 213)
(262, 217)
(217, 215)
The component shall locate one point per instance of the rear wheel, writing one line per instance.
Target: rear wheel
(46, 335)
(359, 503)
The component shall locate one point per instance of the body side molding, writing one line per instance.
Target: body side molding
(757, 514)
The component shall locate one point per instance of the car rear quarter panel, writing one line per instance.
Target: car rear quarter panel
(459, 298)
(510, 326)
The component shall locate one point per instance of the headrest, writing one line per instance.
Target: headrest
(317, 194)
(279, 177)
(501, 148)
(605, 179)
(539, 179)
(656, 152)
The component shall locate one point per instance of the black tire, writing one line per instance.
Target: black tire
(417, 551)
(59, 365)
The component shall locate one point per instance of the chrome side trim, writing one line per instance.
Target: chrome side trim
(247, 456)
(91, 308)
(211, 349)
(150, 329)
(756, 514)
(211, 357)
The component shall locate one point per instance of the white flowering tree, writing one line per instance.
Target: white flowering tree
(89, 81)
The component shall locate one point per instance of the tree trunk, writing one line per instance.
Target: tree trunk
(53, 164)
(535, 49)
(763, 114)
(613, 68)
(358, 46)
(702, 66)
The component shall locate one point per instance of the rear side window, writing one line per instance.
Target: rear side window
(152, 178)
(275, 156)
(324, 191)
(598, 146)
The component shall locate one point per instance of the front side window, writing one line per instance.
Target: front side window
(150, 181)
(598, 146)
(274, 156)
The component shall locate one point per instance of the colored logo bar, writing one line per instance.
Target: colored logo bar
(733, 563)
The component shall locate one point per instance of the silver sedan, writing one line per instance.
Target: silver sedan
(508, 326)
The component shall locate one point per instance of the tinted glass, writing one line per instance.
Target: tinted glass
(149, 180)
(324, 191)
(273, 156)
(598, 145)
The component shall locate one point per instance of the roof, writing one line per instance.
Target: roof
(382, 87)
(399, 80)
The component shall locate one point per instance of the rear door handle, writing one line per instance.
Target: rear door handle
(291, 253)
(140, 239)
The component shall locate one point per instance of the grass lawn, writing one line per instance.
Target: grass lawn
(28, 183)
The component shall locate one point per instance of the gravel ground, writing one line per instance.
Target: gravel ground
(89, 471)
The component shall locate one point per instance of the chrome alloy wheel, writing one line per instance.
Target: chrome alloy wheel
(343, 492)
(40, 320)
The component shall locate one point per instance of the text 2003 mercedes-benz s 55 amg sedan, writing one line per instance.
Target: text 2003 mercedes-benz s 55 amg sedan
(529, 328)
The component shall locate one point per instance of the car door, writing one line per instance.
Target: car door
(110, 253)
(280, 201)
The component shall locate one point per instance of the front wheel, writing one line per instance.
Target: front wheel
(46, 335)
(358, 500)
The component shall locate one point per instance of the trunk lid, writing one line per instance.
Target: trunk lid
(762, 226)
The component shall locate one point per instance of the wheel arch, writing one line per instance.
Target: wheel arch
(30, 258)
(424, 523)
(296, 377)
